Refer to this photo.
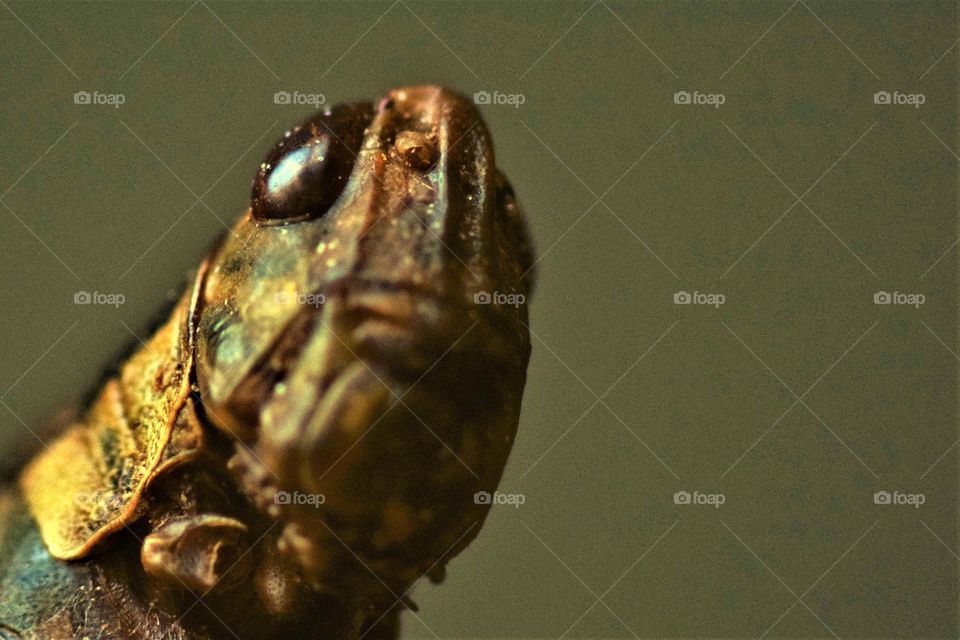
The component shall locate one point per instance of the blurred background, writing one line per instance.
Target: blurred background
(741, 415)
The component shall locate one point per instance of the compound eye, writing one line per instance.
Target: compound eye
(306, 171)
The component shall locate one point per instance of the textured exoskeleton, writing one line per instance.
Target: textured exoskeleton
(304, 438)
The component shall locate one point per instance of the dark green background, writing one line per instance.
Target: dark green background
(98, 198)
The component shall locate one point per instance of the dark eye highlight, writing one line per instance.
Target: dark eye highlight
(304, 174)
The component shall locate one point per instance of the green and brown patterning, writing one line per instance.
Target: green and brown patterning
(303, 439)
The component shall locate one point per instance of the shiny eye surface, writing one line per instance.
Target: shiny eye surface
(305, 172)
